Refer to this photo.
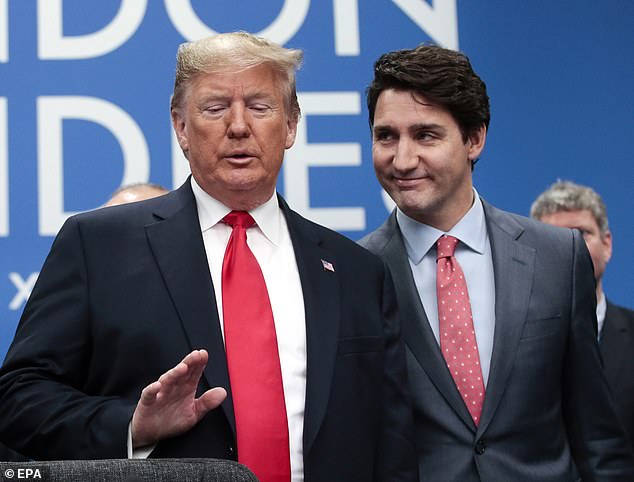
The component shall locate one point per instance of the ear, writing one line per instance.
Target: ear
(180, 128)
(291, 131)
(606, 240)
(476, 141)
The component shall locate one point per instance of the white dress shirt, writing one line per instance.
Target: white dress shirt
(271, 245)
(602, 307)
(474, 255)
(270, 242)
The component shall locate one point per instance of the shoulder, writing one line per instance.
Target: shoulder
(623, 313)
(303, 230)
(377, 240)
(136, 214)
(527, 230)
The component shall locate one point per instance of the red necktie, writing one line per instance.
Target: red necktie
(253, 360)
(457, 336)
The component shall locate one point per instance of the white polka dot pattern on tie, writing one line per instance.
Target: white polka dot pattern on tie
(457, 336)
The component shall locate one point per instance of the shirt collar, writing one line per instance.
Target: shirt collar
(211, 211)
(420, 238)
(602, 307)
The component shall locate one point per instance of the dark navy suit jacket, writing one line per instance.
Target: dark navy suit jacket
(126, 293)
(617, 349)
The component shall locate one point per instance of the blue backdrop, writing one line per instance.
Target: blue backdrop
(85, 88)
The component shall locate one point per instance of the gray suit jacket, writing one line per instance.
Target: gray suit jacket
(547, 415)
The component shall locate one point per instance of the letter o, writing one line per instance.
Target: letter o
(281, 30)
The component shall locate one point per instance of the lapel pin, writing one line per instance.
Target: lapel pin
(327, 266)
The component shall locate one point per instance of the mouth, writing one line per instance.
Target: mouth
(239, 157)
(410, 182)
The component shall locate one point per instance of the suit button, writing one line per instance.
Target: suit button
(231, 452)
(480, 447)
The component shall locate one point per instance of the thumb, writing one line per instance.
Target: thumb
(209, 400)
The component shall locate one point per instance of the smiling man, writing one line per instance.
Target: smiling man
(215, 321)
(497, 310)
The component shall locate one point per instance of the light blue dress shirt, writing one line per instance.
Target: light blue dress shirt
(474, 255)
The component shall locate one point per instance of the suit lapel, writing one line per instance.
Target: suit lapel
(177, 244)
(417, 332)
(513, 266)
(321, 289)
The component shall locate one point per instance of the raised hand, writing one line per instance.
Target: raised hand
(169, 407)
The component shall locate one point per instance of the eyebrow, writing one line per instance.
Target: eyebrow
(413, 127)
(224, 96)
(213, 96)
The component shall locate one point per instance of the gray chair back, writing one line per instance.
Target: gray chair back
(128, 470)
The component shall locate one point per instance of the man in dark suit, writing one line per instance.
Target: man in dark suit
(571, 205)
(497, 310)
(137, 296)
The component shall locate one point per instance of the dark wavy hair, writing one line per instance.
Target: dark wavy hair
(443, 76)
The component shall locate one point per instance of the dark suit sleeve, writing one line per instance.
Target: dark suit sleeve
(598, 443)
(47, 409)
(396, 457)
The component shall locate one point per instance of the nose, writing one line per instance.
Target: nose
(405, 157)
(237, 123)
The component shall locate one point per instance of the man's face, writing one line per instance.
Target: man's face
(421, 159)
(600, 247)
(234, 128)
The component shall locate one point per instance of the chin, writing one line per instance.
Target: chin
(410, 200)
(241, 182)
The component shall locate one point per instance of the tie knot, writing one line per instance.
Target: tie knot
(446, 246)
(239, 218)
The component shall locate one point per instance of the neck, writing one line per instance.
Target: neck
(457, 211)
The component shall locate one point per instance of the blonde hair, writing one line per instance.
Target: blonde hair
(237, 51)
(568, 196)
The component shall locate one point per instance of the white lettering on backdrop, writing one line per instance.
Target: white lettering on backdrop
(304, 155)
(51, 112)
(4, 31)
(281, 30)
(23, 288)
(4, 170)
(438, 20)
(53, 44)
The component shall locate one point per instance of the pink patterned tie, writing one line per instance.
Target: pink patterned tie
(253, 360)
(457, 336)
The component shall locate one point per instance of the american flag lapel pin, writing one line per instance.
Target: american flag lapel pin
(327, 265)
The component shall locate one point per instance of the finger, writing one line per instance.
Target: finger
(196, 368)
(195, 362)
(185, 376)
(174, 375)
(196, 357)
(179, 371)
(149, 393)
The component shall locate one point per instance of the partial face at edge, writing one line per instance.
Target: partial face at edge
(600, 247)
